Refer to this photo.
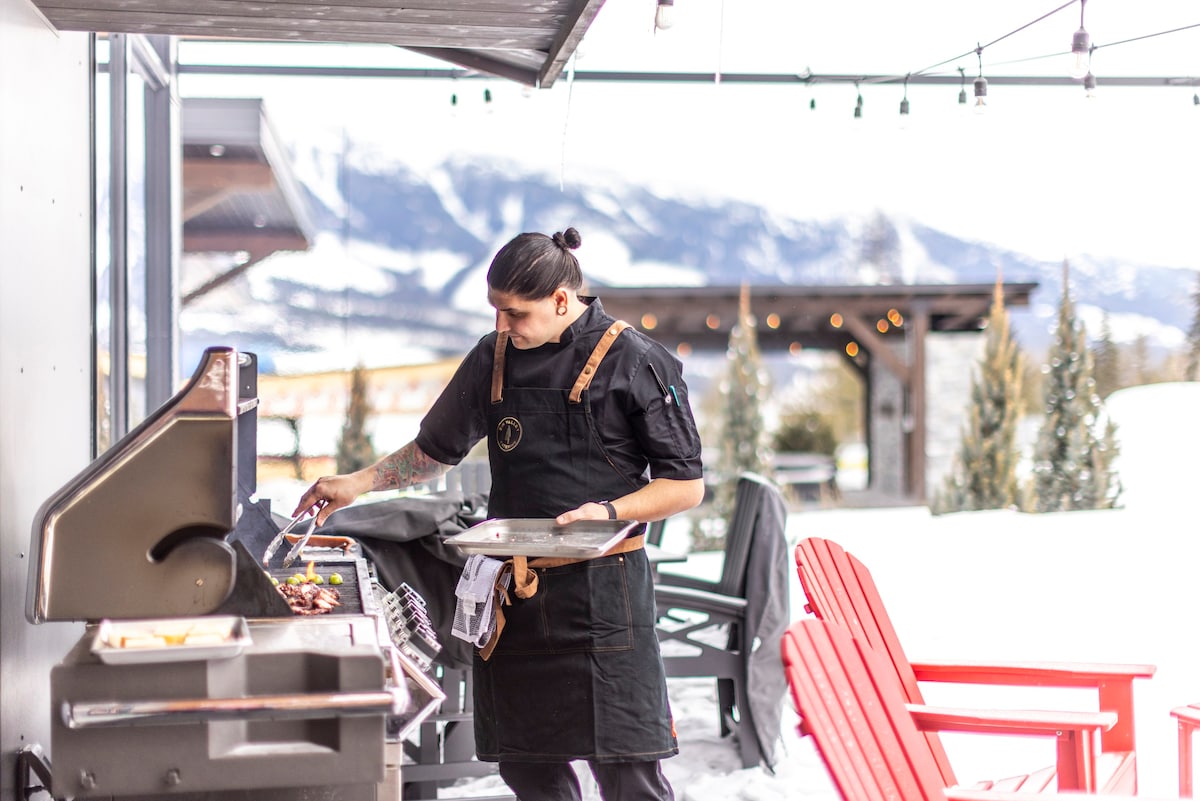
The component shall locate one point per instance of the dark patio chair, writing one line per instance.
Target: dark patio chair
(730, 629)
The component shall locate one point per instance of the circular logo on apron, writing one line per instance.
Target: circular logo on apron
(508, 433)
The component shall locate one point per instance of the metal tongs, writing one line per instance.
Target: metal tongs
(295, 551)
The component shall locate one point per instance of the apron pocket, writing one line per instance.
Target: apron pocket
(578, 608)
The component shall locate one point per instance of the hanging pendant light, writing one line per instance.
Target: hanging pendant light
(1081, 48)
(664, 15)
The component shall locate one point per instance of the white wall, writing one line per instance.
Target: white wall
(44, 336)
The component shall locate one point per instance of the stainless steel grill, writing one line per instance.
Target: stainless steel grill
(151, 547)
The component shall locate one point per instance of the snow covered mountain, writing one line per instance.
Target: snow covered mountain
(396, 274)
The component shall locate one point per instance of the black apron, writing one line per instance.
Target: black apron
(577, 672)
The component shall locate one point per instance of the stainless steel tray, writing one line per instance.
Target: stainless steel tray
(528, 536)
(124, 642)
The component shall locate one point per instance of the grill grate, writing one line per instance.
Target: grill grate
(349, 591)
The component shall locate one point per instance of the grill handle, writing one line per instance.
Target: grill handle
(303, 706)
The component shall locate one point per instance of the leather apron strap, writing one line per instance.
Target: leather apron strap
(589, 370)
(525, 581)
(498, 367)
(585, 375)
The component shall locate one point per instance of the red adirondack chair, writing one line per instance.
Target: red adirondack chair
(869, 737)
(839, 589)
(1188, 720)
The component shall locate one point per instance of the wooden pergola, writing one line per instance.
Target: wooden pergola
(866, 324)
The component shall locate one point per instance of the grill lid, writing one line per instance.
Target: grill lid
(140, 531)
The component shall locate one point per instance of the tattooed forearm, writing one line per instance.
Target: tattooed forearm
(406, 467)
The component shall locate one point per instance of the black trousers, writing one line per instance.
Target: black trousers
(556, 781)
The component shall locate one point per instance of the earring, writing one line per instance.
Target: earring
(561, 310)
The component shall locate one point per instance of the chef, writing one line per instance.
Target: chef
(586, 419)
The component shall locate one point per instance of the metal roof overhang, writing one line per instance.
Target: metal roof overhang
(528, 41)
(702, 317)
(239, 192)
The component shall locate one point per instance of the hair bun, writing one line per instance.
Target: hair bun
(568, 239)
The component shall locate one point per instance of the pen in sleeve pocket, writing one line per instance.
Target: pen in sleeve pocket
(666, 394)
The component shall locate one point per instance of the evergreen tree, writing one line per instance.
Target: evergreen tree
(355, 450)
(1143, 367)
(743, 430)
(985, 470)
(1106, 357)
(1072, 465)
(1192, 370)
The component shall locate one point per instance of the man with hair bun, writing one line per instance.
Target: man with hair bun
(586, 418)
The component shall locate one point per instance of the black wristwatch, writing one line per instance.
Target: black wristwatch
(612, 510)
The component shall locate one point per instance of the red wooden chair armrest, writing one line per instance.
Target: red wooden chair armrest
(1075, 734)
(1009, 721)
(1113, 683)
(1187, 715)
(1046, 674)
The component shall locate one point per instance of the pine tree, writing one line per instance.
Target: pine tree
(985, 470)
(1143, 367)
(1192, 371)
(743, 431)
(1106, 357)
(355, 450)
(1072, 465)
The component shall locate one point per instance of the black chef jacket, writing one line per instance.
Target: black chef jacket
(640, 407)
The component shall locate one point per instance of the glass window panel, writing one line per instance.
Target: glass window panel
(102, 421)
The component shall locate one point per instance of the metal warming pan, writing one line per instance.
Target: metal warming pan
(193, 679)
(583, 539)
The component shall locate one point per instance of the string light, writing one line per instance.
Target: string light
(904, 101)
(1089, 82)
(980, 85)
(1081, 48)
(664, 14)
(962, 86)
(858, 104)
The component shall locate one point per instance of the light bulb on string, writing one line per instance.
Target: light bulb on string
(858, 105)
(664, 14)
(904, 105)
(980, 95)
(1081, 48)
(962, 86)
(1089, 86)
(980, 84)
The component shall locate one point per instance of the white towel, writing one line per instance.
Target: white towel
(475, 610)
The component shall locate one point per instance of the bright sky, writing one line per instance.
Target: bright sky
(1044, 171)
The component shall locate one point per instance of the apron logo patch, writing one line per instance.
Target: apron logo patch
(508, 433)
